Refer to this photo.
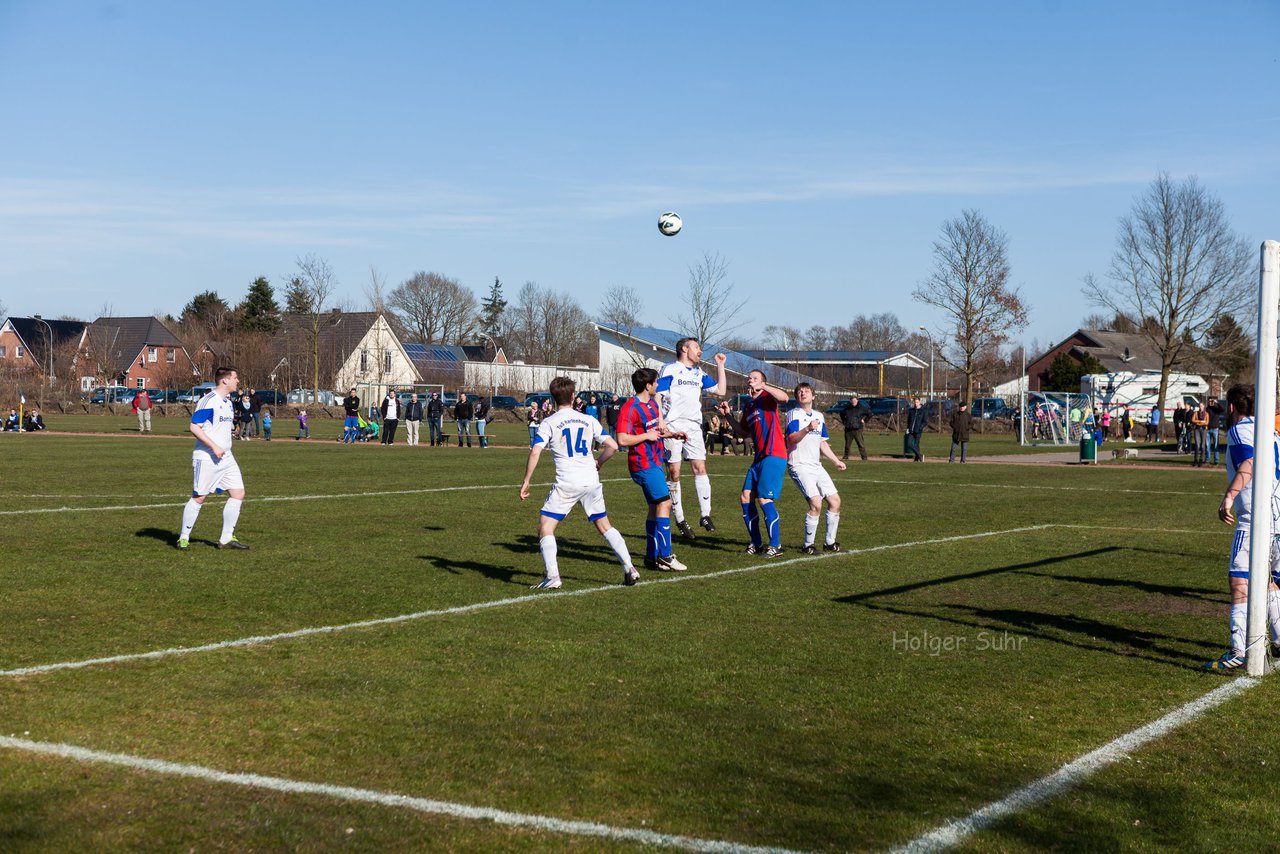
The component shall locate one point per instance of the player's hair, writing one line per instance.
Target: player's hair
(1240, 398)
(562, 389)
(682, 343)
(220, 372)
(763, 378)
(642, 377)
(802, 385)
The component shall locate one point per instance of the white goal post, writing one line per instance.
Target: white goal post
(1264, 463)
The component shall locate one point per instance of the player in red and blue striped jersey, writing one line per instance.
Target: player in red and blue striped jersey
(641, 431)
(763, 483)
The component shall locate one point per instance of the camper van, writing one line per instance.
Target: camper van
(1139, 391)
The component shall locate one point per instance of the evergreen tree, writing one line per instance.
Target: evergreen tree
(207, 309)
(1065, 373)
(491, 309)
(259, 311)
(297, 297)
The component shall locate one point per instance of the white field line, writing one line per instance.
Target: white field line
(258, 640)
(1034, 486)
(389, 799)
(956, 832)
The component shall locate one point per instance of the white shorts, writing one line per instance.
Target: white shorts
(563, 496)
(691, 448)
(215, 475)
(814, 482)
(1238, 567)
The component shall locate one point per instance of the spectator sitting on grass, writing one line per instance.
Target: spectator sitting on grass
(33, 420)
(11, 422)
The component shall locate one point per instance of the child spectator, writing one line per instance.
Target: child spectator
(266, 425)
(303, 431)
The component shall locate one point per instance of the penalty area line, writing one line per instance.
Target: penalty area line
(448, 809)
(1074, 772)
(259, 640)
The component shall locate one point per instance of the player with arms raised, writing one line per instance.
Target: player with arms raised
(212, 462)
(640, 431)
(807, 444)
(763, 482)
(680, 388)
(569, 435)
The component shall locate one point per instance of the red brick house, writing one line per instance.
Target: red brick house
(139, 352)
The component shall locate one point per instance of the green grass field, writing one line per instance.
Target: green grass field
(988, 624)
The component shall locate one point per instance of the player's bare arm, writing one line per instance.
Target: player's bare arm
(722, 384)
(608, 449)
(534, 453)
(1226, 510)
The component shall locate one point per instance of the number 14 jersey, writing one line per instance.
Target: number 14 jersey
(569, 435)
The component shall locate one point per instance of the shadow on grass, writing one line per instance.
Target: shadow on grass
(1207, 594)
(505, 574)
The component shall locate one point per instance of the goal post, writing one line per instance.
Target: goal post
(1264, 458)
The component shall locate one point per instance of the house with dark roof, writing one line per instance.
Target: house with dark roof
(1120, 353)
(355, 349)
(138, 352)
(26, 342)
(866, 371)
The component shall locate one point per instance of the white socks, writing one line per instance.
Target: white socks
(833, 522)
(614, 538)
(1239, 617)
(810, 529)
(702, 483)
(230, 515)
(189, 515)
(548, 546)
(677, 509)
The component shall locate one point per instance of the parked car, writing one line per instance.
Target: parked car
(887, 405)
(988, 408)
(503, 401)
(536, 398)
(270, 397)
(194, 394)
(110, 394)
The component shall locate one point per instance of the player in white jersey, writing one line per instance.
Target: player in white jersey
(680, 388)
(569, 435)
(807, 444)
(1236, 509)
(213, 465)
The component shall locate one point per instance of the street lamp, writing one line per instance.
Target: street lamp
(49, 377)
(930, 337)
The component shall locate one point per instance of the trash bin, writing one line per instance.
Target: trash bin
(1088, 448)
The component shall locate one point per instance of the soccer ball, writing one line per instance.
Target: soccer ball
(670, 224)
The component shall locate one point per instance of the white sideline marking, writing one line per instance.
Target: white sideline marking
(477, 606)
(956, 832)
(388, 799)
(1019, 486)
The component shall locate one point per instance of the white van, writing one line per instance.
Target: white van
(1139, 391)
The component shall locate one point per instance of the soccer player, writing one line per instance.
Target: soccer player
(680, 388)
(640, 431)
(807, 444)
(1236, 509)
(763, 482)
(569, 435)
(214, 466)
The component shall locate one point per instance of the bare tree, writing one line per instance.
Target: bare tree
(435, 309)
(713, 310)
(874, 332)
(1179, 267)
(620, 311)
(376, 291)
(970, 286)
(782, 337)
(315, 282)
(549, 328)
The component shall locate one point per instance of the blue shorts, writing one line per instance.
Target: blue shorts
(764, 478)
(653, 482)
(350, 422)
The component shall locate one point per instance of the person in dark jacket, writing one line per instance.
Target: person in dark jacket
(255, 411)
(351, 420)
(961, 422)
(917, 420)
(854, 418)
(412, 419)
(390, 412)
(435, 420)
(463, 413)
(482, 418)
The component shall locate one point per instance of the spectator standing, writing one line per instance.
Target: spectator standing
(1106, 424)
(533, 417)
(961, 424)
(854, 419)
(412, 419)
(482, 420)
(142, 409)
(351, 421)
(255, 408)
(917, 418)
(1126, 423)
(304, 432)
(266, 425)
(1200, 436)
(243, 409)
(1153, 425)
(435, 420)
(1216, 414)
(390, 411)
(464, 412)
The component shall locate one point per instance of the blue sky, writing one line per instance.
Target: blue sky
(152, 150)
